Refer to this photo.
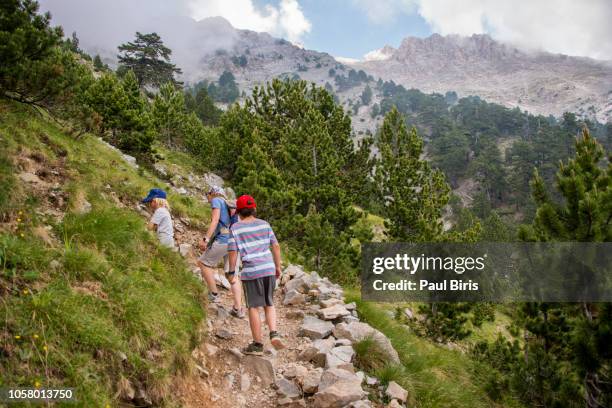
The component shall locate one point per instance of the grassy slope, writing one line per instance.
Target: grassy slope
(114, 293)
(434, 375)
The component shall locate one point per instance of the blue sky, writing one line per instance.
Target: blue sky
(340, 28)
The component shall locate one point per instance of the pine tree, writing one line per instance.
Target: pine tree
(122, 113)
(34, 68)
(307, 139)
(413, 193)
(168, 111)
(583, 216)
(149, 58)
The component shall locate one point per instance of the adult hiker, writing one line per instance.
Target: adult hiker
(214, 245)
(161, 221)
(254, 240)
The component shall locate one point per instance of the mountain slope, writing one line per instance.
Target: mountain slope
(89, 300)
(539, 82)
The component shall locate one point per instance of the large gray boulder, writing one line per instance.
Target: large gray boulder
(333, 375)
(293, 297)
(317, 351)
(340, 356)
(333, 312)
(337, 389)
(259, 367)
(314, 328)
(301, 284)
(311, 381)
(357, 331)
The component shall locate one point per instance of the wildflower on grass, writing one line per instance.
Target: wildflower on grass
(22, 235)
(37, 384)
(45, 348)
(35, 336)
(18, 219)
(17, 337)
(25, 291)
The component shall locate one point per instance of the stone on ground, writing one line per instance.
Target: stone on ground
(293, 297)
(360, 404)
(245, 382)
(314, 328)
(338, 395)
(333, 312)
(296, 371)
(289, 403)
(357, 331)
(395, 391)
(288, 389)
(339, 356)
(317, 351)
(311, 381)
(211, 349)
(260, 367)
(333, 375)
(394, 404)
(301, 285)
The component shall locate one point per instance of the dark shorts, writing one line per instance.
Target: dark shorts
(259, 292)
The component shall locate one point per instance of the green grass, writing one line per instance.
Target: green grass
(70, 310)
(434, 375)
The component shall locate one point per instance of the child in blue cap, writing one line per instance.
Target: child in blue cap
(161, 221)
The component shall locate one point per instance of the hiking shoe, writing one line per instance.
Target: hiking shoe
(255, 349)
(276, 341)
(213, 298)
(239, 314)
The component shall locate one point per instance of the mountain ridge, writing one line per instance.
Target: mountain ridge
(537, 81)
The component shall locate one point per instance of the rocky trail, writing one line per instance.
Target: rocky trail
(314, 369)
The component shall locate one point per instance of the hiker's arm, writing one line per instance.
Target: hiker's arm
(216, 214)
(151, 226)
(233, 257)
(276, 254)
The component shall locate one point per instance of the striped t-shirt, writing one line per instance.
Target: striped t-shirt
(253, 240)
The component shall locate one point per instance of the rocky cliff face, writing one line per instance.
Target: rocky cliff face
(478, 65)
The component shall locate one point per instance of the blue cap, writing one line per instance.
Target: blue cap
(154, 193)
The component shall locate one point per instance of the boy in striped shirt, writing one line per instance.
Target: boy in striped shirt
(260, 254)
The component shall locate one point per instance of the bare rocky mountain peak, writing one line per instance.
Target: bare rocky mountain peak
(536, 81)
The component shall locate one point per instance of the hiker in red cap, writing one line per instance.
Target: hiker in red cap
(260, 253)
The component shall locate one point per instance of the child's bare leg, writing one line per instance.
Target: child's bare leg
(255, 324)
(209, 277)
(237, 293)
(270, 312)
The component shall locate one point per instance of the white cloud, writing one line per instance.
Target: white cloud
(380, 54)
(346, 60)
(384, 11)
(562, 26)
(287, 20)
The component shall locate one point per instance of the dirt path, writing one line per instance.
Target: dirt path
(224, 377)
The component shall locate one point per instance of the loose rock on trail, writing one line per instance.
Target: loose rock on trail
(314, 370)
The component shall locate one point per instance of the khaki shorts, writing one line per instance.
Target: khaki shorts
(213, 255)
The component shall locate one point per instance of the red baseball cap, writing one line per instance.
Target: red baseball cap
(245, 201)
